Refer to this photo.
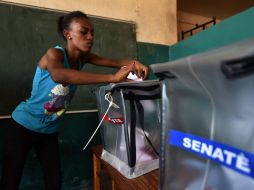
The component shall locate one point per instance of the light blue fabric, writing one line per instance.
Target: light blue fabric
(47, 103)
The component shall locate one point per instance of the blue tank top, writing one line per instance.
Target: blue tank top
(48, 102)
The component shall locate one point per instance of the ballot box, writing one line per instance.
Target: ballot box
(131, 125)
(207, 140)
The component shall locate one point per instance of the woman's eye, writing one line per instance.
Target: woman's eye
(84, 32)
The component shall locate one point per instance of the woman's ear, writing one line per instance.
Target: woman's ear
(66, 34)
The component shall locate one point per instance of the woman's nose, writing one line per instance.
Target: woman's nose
(90, 35)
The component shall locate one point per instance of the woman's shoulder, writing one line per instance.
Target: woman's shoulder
(55, 53)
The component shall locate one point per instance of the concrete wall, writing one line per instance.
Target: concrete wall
(230, 30)
(187, 21)
(156, 20)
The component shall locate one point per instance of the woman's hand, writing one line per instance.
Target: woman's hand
(139, 69)
(122, 73)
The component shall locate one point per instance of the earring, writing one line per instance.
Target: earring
(69, 38)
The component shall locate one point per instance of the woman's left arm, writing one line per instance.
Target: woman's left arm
(139, 69)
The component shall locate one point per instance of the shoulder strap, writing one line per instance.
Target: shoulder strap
(66, 63)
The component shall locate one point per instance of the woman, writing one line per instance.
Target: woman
(35, 121)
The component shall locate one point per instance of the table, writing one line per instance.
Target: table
(149, 181)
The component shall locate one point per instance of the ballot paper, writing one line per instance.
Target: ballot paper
(134, 77)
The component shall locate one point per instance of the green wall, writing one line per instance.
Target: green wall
(149, 53)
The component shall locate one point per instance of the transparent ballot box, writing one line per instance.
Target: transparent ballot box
(207, 140)
(131, 126)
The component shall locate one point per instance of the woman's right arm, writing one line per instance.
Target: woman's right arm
(53, 62)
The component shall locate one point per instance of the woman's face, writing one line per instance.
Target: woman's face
(80, 34)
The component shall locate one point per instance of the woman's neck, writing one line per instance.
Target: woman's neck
(73, 57)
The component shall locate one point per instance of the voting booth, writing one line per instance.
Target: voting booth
(208, 120)
(131, 126)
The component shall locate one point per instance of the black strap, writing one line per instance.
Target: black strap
(132, 138)
(141, 120)
(142, 88)
(131, 134)
(134, 100)
(129, 96)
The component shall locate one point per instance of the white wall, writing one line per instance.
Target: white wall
(155, 20)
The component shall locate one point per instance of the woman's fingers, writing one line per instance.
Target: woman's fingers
(140, 70)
